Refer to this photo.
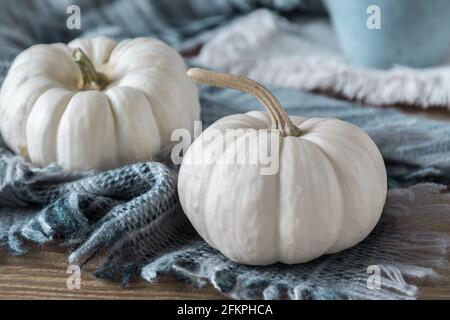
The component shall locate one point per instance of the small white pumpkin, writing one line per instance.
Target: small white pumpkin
(95, 103)
(327, 195)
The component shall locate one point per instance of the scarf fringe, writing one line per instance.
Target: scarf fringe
(403, 250)
(313, 62)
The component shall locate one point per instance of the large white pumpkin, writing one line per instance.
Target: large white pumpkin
(327, 195)
(95, 103)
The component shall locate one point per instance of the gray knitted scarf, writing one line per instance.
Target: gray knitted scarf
(132, 218)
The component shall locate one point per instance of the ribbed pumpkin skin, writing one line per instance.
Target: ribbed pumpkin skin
(47, 117)
(327, 195)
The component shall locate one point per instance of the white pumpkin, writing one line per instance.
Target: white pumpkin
(95, 103)
(326, 196)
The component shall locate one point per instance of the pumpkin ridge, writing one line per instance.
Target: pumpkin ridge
(58, 126)
(150, 105)
(126, 103)
(247, 118)
(341, 213)
(305, 122)
(40, 53)
(172, 104)
(342, 208)
(69, 97)
(207, 230)
(84, 107)
(221, 161)
(235, 146)
(351, 142)
(340, 134)
(29, 105)
(108, 57)
(335, 134)
(114, 122)
(143, 54)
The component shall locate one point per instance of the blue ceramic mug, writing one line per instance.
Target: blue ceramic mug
(413, 33)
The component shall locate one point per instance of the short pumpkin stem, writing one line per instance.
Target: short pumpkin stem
(90, 78)
(280, 119)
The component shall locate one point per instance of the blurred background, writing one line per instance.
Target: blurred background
(380, 52)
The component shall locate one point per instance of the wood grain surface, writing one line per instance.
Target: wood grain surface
(42, 274)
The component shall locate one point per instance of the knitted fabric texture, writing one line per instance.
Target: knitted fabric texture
(131, 215)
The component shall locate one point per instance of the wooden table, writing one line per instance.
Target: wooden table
(42, 274)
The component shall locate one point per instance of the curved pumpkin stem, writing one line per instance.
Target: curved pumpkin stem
(90, 78)
(280, 119)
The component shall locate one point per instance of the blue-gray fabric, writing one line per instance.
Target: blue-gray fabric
(181, 23)
(132, 216)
